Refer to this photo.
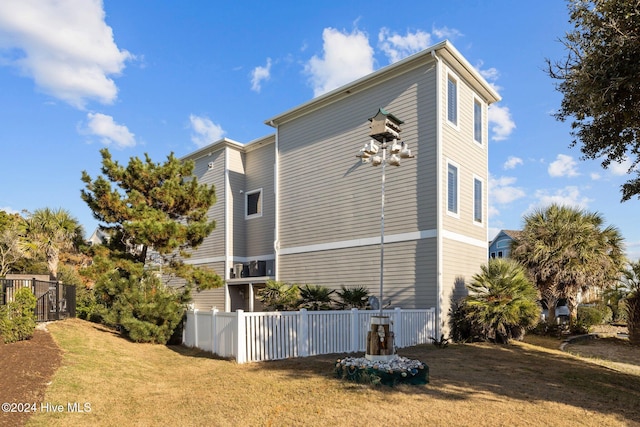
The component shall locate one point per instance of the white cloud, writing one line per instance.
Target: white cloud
(491, 75)
(109, 131)
(260, 74)
(563, 166)
(65, 46)
(205, 132)
(446, 33)
(9, 210)
(397, 47)
(621, 168)
(502, 192)
(568, 196)
(346, 57)
(503, 125)
(595, 176)
(512, 162)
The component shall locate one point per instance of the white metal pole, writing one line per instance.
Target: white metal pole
(384, 162)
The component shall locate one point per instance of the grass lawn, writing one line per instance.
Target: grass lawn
(471, 384)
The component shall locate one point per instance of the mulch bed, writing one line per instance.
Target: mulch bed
(26, 368)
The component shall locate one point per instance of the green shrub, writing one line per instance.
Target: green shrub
(17, 318)
(143, 308)
(589, 316)
(502, 301)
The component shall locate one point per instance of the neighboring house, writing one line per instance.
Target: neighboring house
(298, 206)
(500, 246)
(98, 237)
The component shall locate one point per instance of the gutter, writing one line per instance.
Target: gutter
(276, 190)
(439, 192)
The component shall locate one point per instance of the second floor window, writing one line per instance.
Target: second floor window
(452, 189)
(452, 101)
(477, 200)
(477, 121)
(254, 203)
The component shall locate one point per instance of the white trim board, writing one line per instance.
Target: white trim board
(368, 241)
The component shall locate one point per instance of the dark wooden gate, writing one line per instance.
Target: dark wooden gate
(54, 300)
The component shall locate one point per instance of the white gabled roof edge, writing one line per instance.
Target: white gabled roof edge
(445, 49)
(226, 142)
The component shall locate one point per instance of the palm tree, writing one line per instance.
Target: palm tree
(278, 296)
(357, 297)
(631, 282)
(49, 232)
(566, 250)
(502, 301)
(315, 297)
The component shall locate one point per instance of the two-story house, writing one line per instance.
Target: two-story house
(299, 206)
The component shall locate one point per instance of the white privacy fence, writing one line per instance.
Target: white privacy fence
(257, 336)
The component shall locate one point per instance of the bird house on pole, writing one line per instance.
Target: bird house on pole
(385, 126)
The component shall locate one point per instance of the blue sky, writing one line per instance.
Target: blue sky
(163, 76)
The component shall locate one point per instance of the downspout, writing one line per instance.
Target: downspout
(228, 216)
(276, 190)
(439, 193)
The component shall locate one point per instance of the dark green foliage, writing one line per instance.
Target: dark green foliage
(278, 296)
(564, 250)
(142, 307)
(631, 280)
(589, 316)
(442, 342)
(154, 215)
(17, 318)
(356, 297)
(502, 301)
(462, 326)
(315, 297)
(600, 83)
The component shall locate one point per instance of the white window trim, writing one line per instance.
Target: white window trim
(482, 211)
(246, 204)
(452, 76)
(483, 115)
(457, 166)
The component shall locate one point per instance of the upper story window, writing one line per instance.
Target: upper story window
(477, 200)
(477, 121)
(452, 189)
(253, 203)
(452, 101)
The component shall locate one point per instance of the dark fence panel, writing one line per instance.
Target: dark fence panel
(54, 301)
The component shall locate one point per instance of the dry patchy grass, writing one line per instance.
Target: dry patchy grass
(475, 384)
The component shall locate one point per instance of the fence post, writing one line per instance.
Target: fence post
(57, 300)
(241, 339)
(355, 330)
(214, 325)
(303, 333)
(195, 328)
(397, 327)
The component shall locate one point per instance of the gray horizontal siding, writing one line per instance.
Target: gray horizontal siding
(327, 195)
(213, 245)
(259, 231)
(235, 198)
(410, 271)
(459, 146)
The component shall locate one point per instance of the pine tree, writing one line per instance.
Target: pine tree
(155, 214)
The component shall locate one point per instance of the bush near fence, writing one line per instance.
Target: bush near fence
(17, 318)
